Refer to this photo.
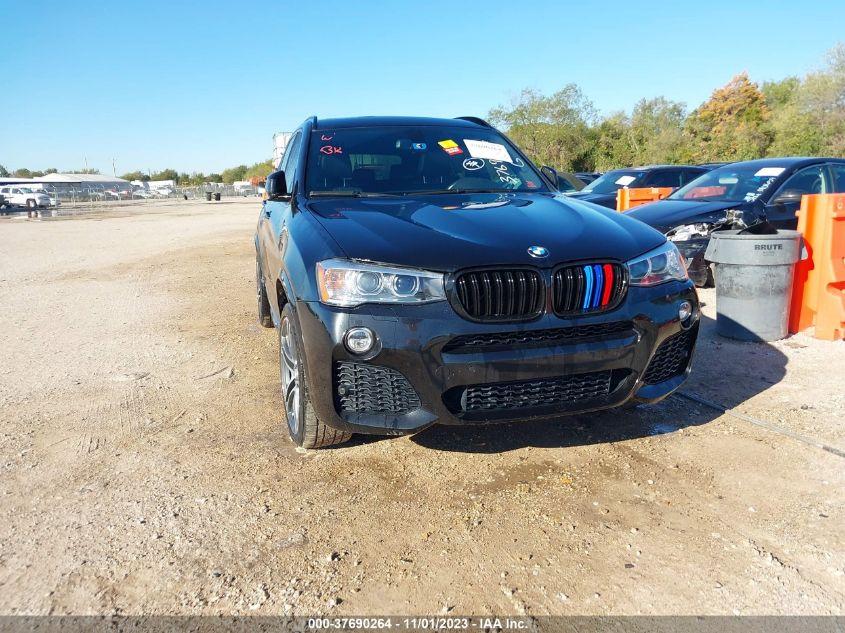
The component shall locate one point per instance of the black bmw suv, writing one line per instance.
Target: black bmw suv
(423, 271)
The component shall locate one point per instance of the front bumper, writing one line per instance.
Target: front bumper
(418, 343)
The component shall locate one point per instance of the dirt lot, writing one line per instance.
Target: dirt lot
(146, 468)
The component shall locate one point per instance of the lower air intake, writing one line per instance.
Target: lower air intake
(671, 358)
(535, 394)
(365, 388)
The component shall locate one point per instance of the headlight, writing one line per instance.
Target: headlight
(688, 232)
(346, 283)
(662, 264)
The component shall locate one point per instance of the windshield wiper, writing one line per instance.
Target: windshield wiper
(350, 194)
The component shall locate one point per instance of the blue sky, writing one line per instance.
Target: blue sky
(204, 85)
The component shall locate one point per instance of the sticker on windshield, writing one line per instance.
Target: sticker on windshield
(450, 147)
(625, 180)
(485, 149)
(770, 171)
(418, 147)
(472, 164)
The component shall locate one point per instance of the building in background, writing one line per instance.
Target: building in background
(84, 183)
(280, 143)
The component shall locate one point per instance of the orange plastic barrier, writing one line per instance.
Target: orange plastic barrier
(818, 294)
(629, 198)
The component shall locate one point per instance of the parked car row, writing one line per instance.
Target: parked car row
(25, 197)
(757, 195)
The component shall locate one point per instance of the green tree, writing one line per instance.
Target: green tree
(259, 171)
(3, 172)
(166, 174)
(656, 131)
(553, 130)
(731, 125)
(821, 98)
(214, 178)
(612, 146)
(233, 174)
(136, 175)
(23, 172)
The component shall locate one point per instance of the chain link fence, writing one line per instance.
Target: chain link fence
(68, 199)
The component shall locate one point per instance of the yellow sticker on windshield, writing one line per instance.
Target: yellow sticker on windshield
(450, 147)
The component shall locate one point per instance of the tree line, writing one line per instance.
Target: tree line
(742, 120)
(256, 172)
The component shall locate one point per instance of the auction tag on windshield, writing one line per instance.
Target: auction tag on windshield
(625, 180)
(490, 151)
(450, 147)
(770, 171)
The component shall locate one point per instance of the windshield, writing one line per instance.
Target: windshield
(26, 190)
(616, 179)
(415, 159)
(732, 183)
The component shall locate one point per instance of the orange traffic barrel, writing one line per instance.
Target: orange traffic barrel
(818, 295)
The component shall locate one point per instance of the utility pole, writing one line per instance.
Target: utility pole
(113, 170)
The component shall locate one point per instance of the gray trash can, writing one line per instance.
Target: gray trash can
(217, 197)
(754, 276)
(208, 196)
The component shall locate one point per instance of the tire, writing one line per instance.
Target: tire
(305, 429)
(265, 317)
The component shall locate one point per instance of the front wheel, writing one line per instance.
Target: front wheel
(305, 429)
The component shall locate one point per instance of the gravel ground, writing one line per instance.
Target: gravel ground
(146, 467)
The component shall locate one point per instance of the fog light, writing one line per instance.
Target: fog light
(359, 340)
(684, 310)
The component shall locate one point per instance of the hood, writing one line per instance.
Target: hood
(604, 199)
(449, 232)
(665, 215)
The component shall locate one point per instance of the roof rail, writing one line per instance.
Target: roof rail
(474, 119)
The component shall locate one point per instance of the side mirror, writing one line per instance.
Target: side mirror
(551, 174)
(276, 186)
(788, 196)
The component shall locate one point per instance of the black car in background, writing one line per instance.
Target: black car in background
(587, 176)
(761, 195)
(423, 271)
(568, 182)
(603, 190)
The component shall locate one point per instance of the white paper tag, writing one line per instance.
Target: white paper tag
(770, 171)
(485, 149)
(625, 180)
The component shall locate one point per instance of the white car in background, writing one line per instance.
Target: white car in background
(25, 197)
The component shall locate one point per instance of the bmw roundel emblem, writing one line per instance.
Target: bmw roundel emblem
(538, 251)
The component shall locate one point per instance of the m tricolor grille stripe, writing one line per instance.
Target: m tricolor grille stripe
(587, 288)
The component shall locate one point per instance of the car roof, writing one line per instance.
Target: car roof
(785, 161)
(384, 121)
(651, 167)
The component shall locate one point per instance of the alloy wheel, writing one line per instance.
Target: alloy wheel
(289, 367)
